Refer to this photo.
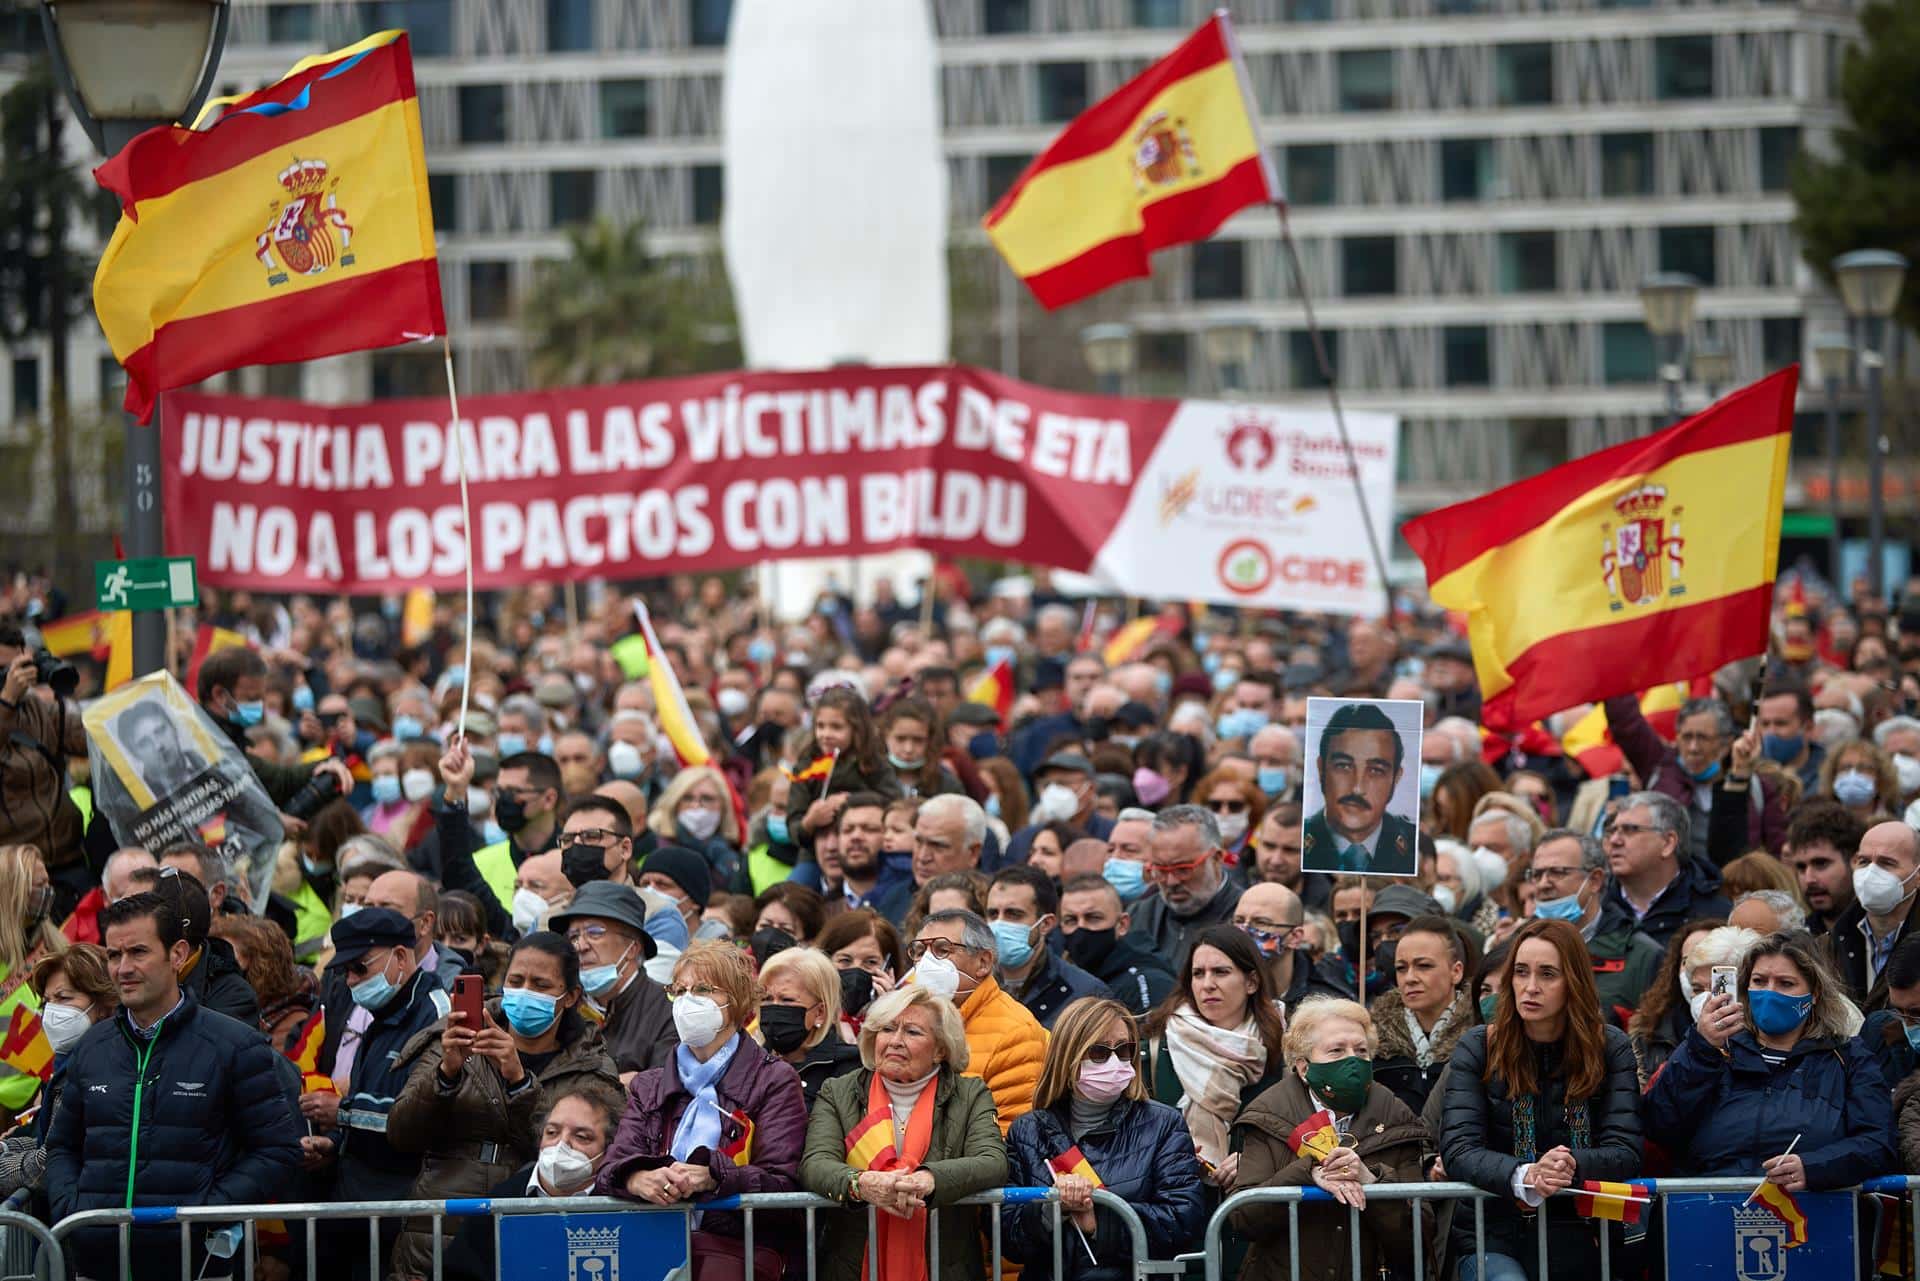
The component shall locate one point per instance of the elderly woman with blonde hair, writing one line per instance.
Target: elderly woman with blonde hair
(800, 1017)
(1329, 1125)
(904, 1134)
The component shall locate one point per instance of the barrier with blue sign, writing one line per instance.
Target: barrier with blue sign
(592, 1247)
(1720, 1236)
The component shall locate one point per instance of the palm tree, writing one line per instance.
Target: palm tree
(613, 312)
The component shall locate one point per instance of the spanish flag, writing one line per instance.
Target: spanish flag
(669, 702)
(1619, 1202)
(305, 1053)
(77, 634)
(739, 1149)
(296, 225)
(1590, 742)
(1316, 1137)
(995, 689)
(1073, 1161)
(822, 767)
(1786, 1209)
(416, 616)
(24, 1047)
(207, 640)
(1651, 561)
(870, 1143)
(1164, 160)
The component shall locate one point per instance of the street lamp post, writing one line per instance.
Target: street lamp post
(1833, 352)
(1667, 300)
(1229, 349)
(1713, 366)
(127, 66)
(1870, 282)
(1109, 350)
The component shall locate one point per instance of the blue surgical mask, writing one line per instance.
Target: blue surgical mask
(599, 979)
(1242, 722)
(1274, 779)
(1224, 679)
(546, 745)
(492, 833)
(759, 651)
(1429, 778)
(1776, 1013)
(386, 788)
(374, 992)
(1706, 775)
(1012, 943)
(247, 715)
(998, 654)
(1210, 664)
(406, 728)
(528, 1012)
(1853, 787)
(993, 805)
(510, 744)
(1560, 909)
(1128, 878)
(1163, 682)
(1913, 1036)
(777, 829)
(904, 765)
(1784, 748)
(302, 699)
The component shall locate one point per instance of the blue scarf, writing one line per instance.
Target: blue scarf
(700, 1123)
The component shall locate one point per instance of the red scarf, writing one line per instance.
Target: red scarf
(873, 1145)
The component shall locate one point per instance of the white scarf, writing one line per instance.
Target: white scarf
(1214, 1065)
(1423, 1042)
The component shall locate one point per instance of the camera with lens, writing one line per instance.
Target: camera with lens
(306, 802)
(57, 674)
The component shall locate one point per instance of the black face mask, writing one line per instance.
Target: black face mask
(783, 1027)
(580, 863)
(1089, 949)
(1383, 976)
(1349, 932)
(510, 813)
(856, 990)
(768, 942)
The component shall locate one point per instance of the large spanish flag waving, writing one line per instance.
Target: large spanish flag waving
(295, 226)
(1166, 159)
(1651, 561)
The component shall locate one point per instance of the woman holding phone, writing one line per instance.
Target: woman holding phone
(474, 1087)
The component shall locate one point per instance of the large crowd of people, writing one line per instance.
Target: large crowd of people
(895, 945)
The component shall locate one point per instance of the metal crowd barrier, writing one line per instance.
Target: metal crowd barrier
(28, 1249)
(373, 1212)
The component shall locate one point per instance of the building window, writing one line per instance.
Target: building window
(1537, 444)
(1464, 350)
(1219, 270)
(1159, 13)
(1366, 79)
(285, 382)
(1466, 168)
(26, 386)
(1528, 262)
(1007, 17)
(710, 19)
(290, 24)
(443, 192)
(483, 113)
(1309, 10)
(428, 23)
(1369, 266)
(624, 108)
(1524, 73)
(406, 374)
(1626, 352)
(1313, 174)
(1453, 7)
(113, 383)
(1063, 89)
(709, 191)
(572, 196)
(1779, 341)
(1002, 170)
(1778, 150)
(1683, 67)
(489, 291)
(1163, 364)
(1304, 365)
(1626, 164)
(569, 26)
(1688, 250)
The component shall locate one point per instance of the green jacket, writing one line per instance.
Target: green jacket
(966, 1156)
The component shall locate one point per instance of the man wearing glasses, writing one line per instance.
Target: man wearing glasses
(954, 956)
(1273, 917)
(1189, 876)
(1656, 884)
(1569, 877)
(596, 844)
(607, 926)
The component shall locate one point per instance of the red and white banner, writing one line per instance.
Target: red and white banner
(1241, 504)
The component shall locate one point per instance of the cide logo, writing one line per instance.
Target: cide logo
(1246, 568)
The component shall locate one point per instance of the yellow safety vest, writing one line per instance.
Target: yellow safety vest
(763, 869)
(82, 798)
(311, 921)
(495, 865)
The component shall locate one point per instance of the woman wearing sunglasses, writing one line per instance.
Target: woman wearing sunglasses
(1092, 1119)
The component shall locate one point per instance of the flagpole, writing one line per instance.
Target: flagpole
(466, 528)
(1333, 391)
(1763, 1183)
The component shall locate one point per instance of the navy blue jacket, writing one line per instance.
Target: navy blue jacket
(214, 1128)
(1146, 1159)
(1723, 1114)
(1054, 986)
(370, 1168)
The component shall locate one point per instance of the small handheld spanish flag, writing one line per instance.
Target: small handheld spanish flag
(1619, 1202)
(995, 689)
(1786, 1209)
(1315, 1138)
(821, 768)
(1073, 1161)
(25, 1048)
(740, 1149)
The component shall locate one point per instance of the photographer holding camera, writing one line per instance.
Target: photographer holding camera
(39, 729)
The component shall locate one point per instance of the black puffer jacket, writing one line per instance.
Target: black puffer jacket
(1146, 1158)
(216, 983)
(1478, 1145)
(214, 1128)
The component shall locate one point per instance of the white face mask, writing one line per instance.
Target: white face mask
(1879, 890)
(698, 1019)
(1696, 1003)
(623, 760)
(64, 1026)
(416, 784)
(701, 823)
(479, 801)
(564, 1168)
(1686, 985)
(1058, 803)
(1907, 770)
(1444, 896)
(529, 909)
(1232, 827)
(942, 978)
(731, 701)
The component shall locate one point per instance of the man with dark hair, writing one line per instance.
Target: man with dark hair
(526, 804)
(1360, 761)
(232, 689)
(211, 972)
(37, 736)
(1821, 842)
(866, 880)
(596, 844)
(1094, 923)
(1893, 1032)
(210, 1127)
(1024, 910)
(1785, 713)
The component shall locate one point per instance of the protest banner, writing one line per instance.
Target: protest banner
(164, 772)
(1361, 802)
(1233, 503)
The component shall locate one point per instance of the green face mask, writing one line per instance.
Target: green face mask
(1343, 1082)
(1488, 1004)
